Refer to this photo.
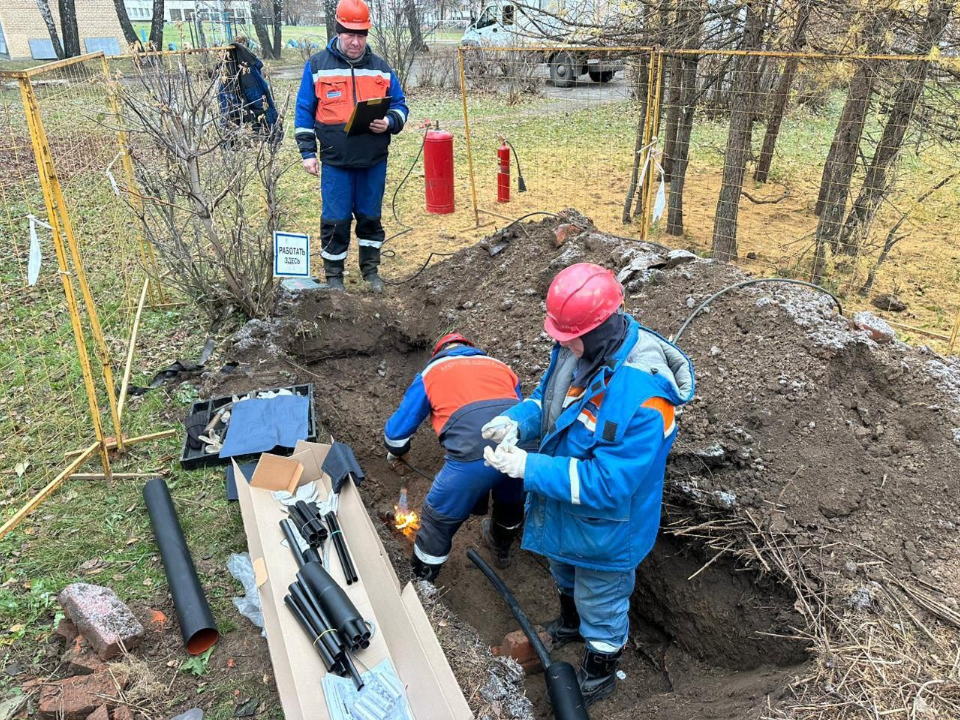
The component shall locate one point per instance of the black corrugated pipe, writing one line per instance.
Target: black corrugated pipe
(196, 621)
(566, 700)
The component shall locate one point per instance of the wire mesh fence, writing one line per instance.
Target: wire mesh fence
(51, 403)
(75, 270)
(841, 170)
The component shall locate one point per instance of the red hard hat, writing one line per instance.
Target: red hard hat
(580, 298)
(451, 338)
(353, 14)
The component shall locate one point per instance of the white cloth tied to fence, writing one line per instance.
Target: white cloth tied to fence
(653, 155)
(35, 257)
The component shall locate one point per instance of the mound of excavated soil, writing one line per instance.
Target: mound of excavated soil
(809, 552)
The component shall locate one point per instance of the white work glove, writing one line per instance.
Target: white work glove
(396, 464)
(502, 430)
(510, 461)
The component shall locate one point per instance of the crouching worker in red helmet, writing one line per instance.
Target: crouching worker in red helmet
(603, 415)
(461, 389)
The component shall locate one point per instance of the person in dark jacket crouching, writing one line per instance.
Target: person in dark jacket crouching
(354, 167)
(461, 388)
(604, 416)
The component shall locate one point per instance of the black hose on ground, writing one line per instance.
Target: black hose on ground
(566, 699)
(745, 283)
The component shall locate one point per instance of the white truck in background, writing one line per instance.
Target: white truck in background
(503, 23)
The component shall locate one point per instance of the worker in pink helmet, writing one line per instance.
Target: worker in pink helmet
(604, 417)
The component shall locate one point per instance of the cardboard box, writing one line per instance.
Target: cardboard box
(402, 629)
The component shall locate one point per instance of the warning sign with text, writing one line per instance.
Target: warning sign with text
(291, 255)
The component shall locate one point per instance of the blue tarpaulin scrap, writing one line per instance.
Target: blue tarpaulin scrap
(261, 425)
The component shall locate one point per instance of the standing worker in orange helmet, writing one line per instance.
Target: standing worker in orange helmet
(603, 415)
(352, 168)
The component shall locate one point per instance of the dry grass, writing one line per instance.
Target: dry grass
(886, 645)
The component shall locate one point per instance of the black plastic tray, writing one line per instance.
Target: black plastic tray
(191, 459)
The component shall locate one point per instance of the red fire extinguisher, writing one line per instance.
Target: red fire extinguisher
(438, 171)
(503, 174)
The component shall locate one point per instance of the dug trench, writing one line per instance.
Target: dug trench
(803, 428)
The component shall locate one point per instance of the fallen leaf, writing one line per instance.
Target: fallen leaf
(92, 564)
(148, 582)
(16, 628)
(21, 467)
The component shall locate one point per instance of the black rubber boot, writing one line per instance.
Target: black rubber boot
(375, 282)
(499, 540)
(565, 628)
(597, 675)
(333, 271)
(423, 570)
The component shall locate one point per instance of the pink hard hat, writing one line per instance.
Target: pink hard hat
(580, 298)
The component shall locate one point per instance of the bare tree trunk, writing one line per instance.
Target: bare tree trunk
(874, 187)
(688, 103)
(44, 7)
(782, 95)
(413, 22)
(258, 17)
(68, 27)
(643, 80)
(842, 160)
(129, 34)
(742, 110)
(156, 25)
(672, 101)
(277, 28)
(690, 15)
(842, 157)
(330, 17)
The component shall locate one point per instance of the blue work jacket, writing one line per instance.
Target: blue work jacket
(596, 485)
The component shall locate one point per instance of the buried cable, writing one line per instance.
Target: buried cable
(566, 699)
(745, 283)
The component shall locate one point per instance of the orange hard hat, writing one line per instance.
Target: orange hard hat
(353, 14)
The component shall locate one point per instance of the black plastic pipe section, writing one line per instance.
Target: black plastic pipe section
(308, 523)
(335, 605)
(566, 700)
(325, 640)
(290, 533)
(336, 535)
(196, 621)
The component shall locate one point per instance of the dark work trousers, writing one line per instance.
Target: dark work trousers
(457, 489)
(349, 193)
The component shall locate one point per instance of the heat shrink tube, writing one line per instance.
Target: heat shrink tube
(197, 625)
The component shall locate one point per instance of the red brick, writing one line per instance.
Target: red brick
(84, 662)
(564, 232)
(122, 713)
(75, 698)
(99, 714)
(517, 645)
(67, 630)
(102, 618)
